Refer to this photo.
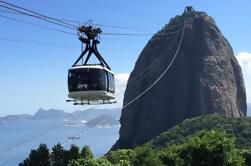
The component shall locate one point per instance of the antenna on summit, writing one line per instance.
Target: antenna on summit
(189, 10)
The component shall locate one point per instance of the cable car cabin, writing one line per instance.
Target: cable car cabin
(91, 83)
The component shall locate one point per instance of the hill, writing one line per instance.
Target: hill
(236, 127)
(187, 69)
(10, 118)
(56, 114)
(102, 121)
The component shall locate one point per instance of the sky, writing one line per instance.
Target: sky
(34, 61)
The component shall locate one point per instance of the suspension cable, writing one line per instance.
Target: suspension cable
(37, 25)
(61, 22)
(127, 34)
(73, 21)
(38, 17)
(165, 71)
(169, 33)
(51, 20)
(42, 15)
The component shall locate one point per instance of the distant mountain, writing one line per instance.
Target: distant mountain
(10, 118)
(86, 115)
(94, 113)
(51, 114)
(103, 121)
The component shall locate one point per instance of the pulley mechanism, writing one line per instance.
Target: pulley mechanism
(89, 35)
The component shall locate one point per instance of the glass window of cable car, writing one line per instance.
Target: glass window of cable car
(85, 79)
(111, 83)
(97, 79)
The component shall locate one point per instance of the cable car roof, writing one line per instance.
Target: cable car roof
(92, 66)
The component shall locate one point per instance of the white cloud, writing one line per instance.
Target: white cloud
(244, 59)
(123, 77)
(121, 82)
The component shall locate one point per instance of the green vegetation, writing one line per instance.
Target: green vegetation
(209, 148)
(57, 157)
(39, 157)
(211, 140)
(240, 128)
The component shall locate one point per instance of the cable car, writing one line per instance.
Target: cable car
(90, 83)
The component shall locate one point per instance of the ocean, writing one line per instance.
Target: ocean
(18, 138)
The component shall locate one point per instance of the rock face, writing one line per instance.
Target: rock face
(204, 78)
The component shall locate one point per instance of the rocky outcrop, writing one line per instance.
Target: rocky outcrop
(204, 78)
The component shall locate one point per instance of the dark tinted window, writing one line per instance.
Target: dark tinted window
(87, 79)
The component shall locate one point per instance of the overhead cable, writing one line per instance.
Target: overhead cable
(126, 34)
(32, 42)
(39, 14)
(37, 25)
(38, 17)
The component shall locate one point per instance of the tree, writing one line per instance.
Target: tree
(103, 161)
(147, 156)
(73, 153)
(246, 153)
(25, 163)
(210, 148)
(39, 157)
(86, 152)
(83, 162)
(58, 157)
(122, 157)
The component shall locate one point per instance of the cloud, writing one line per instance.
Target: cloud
(121, 82)
(122, 77)
(244, 59)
